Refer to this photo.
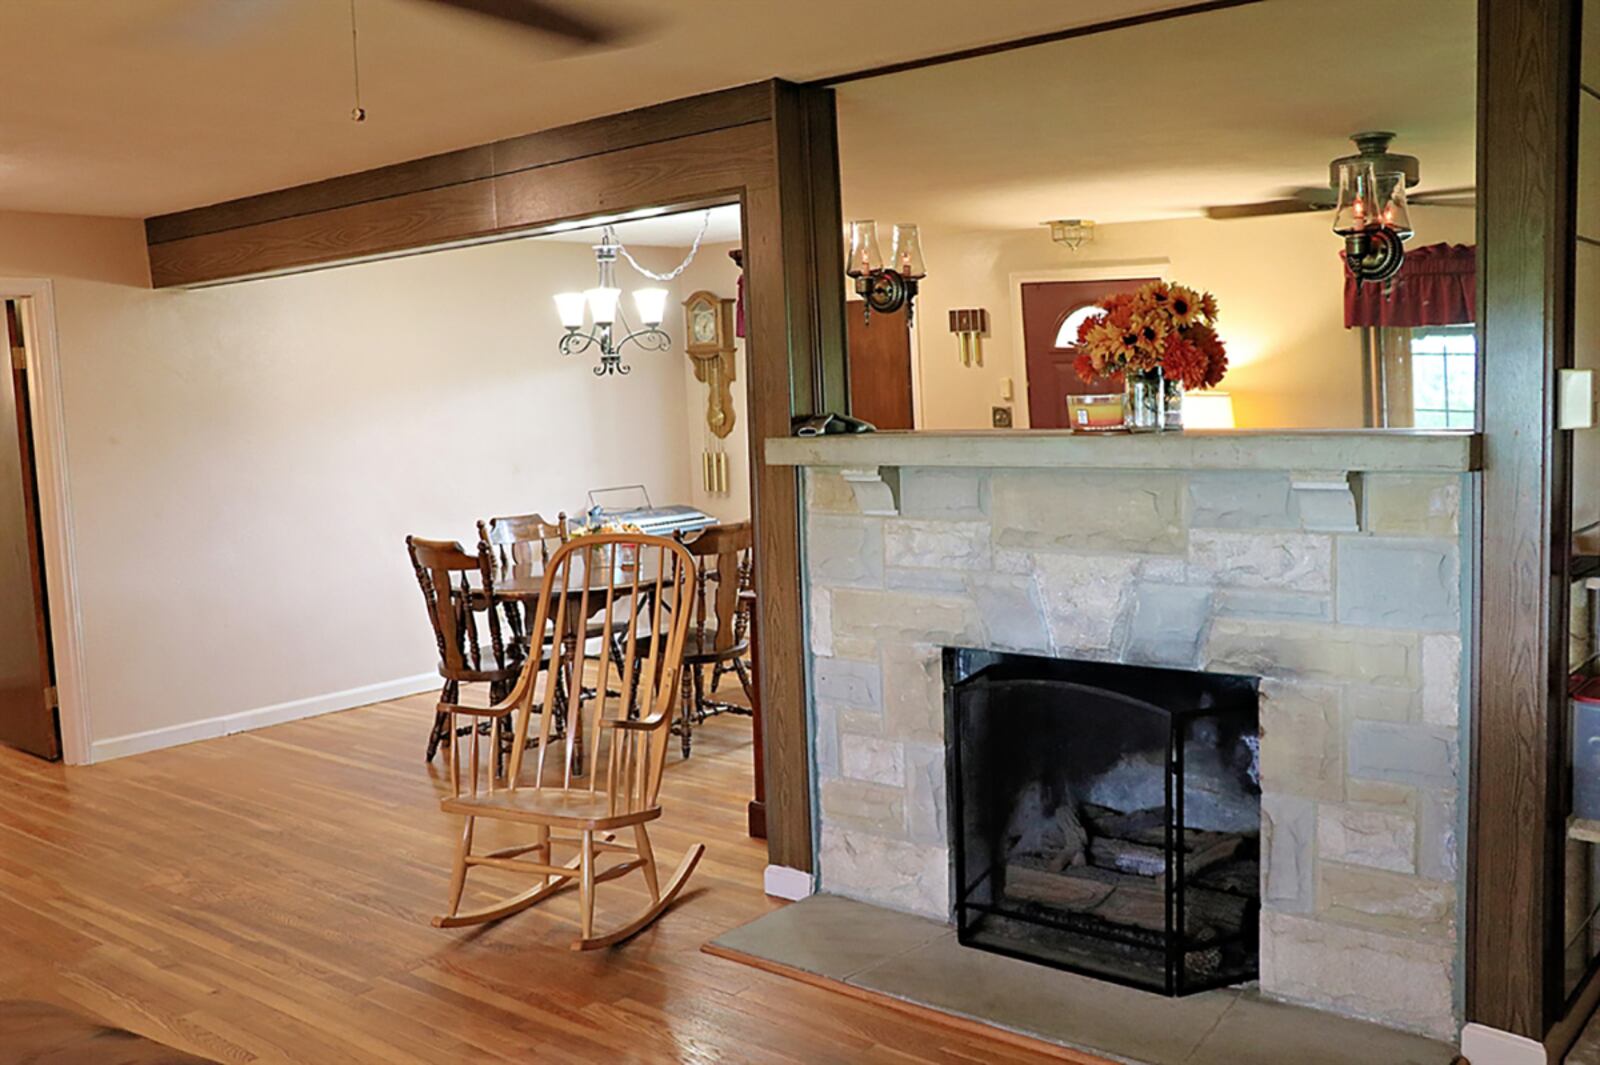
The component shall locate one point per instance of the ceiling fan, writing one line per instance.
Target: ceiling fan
(535, 15)
(215, 23)
(1371, 146)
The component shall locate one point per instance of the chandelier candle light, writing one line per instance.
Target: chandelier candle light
(1162, 339)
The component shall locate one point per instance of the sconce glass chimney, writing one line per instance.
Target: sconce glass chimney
(1359, 207)
(907, 251)
(865, 258)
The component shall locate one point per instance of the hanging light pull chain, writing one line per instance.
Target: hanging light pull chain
(357, 113)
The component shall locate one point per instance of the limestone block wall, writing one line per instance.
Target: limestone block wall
(1344, 593)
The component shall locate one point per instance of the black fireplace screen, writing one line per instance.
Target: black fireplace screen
(1106, 818)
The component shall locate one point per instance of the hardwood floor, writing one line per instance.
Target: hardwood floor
(265, 897)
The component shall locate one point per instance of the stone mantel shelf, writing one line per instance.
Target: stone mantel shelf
(1347, 450)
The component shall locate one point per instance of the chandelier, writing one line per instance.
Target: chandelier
(602, 305)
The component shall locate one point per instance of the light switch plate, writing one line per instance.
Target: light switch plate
(1005, 389)
(1575, 399)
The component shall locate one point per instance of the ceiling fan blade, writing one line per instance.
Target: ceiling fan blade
(1228, 211)
(1465, 196)
(535, 15)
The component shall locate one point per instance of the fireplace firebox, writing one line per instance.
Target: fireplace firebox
(1106, 818)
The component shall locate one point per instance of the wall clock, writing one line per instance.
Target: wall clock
(708, 325)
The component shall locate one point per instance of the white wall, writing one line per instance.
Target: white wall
(713, 271)
(1278, 281)
(246, 461)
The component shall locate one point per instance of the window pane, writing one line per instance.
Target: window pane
(1427, 344)
(1461, 343)
(1427, 381)
(1461, 419)
(1460, 389)
(1431, 419)
(1067, 335)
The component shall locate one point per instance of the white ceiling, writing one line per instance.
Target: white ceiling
(722, 226)
(1158, 121)
(137, 107)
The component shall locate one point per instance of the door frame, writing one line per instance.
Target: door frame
(48, 412)
(1021, 415)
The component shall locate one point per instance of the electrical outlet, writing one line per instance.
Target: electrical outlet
(1002, 417)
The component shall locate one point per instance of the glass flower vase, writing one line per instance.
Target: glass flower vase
(1144, 402)
(1172, 402)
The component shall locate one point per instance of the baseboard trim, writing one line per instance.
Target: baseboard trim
(1482, 1045)
(782, 882)
(246, 720)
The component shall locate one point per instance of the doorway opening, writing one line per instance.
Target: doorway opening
(1051, 311)
(29, 709)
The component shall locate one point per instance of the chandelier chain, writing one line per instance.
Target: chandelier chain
(681, 267)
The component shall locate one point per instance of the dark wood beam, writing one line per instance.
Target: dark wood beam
(1068, 34)
(1527, 133)
(631, 129)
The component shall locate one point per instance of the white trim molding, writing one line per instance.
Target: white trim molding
(55, 510)
(1482, 1045)
(782, 882)
(261, 717)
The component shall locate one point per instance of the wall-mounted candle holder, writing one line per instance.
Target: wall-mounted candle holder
(970, 326)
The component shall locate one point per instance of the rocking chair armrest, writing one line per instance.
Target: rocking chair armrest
(498, 710)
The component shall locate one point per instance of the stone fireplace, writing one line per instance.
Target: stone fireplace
(1328, 565)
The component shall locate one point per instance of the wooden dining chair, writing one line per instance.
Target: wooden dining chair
(583, 806)
(720, 636)
(520, 540)
(445, 572)
(743, 623)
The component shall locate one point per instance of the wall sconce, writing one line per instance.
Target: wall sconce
(1371, 214)
(885, 289)
(1071, 233)
(969, 326)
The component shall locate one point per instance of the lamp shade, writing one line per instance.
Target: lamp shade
(652, 304)
(865, 258)
(1395, 213)
(570, 305)
(1359, 207)
(1207, 410)
(907, 251)
(603, 304)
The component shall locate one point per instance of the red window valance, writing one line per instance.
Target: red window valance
(1437, 285)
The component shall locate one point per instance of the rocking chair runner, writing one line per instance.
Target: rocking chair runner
(642, 583)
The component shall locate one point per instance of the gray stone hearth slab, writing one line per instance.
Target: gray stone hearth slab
(831, 936)
(1258, 1031)
(919, 961)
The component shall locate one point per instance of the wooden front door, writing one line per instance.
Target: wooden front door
(880, 367)
(27, 704)
(1046, 308)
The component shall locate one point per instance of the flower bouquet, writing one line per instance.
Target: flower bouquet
(1162, 338)
(626, 555)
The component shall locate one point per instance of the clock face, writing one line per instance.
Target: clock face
(703, 324)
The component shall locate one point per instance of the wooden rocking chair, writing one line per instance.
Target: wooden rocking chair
(643, 583)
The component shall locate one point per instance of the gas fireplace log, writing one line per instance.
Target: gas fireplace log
(1122, 899)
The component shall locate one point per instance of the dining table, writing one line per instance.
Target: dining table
(522, 581)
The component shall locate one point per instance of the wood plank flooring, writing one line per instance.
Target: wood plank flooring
(265, 897)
